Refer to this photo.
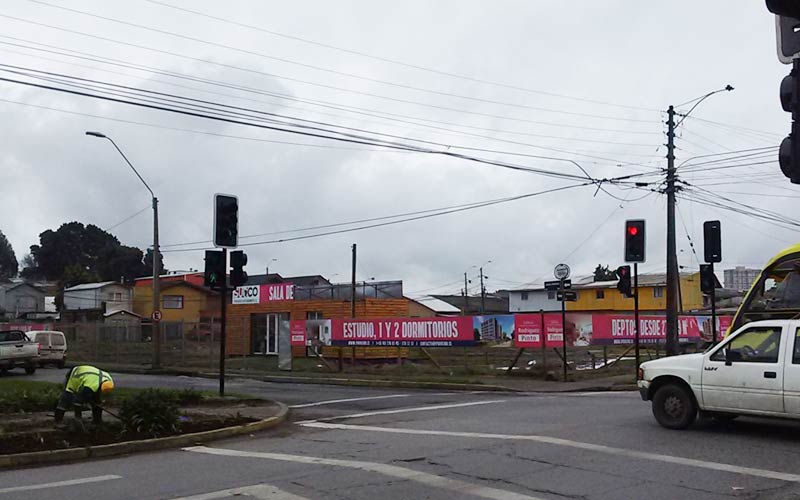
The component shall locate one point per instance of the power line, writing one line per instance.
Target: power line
(126, 219)
(689, 238)
(249, 70)
(313, 102)
(394, 61)
(383, 224)
(328, 70)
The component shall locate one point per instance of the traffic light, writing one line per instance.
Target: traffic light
(707, 279)
(634, 241)
(712, 244)
(238, 261)
(624, 284)
(788, 12)
(226, 221)
(789, 152)
(215, 269)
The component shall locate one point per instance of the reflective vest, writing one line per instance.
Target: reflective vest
(86, 376)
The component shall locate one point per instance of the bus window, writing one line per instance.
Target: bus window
(775, 295)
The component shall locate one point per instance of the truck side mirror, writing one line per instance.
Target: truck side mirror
(728, 357)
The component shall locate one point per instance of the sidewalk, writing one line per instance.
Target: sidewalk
(624, 382)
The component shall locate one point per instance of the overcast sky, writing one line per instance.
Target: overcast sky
(581, 81)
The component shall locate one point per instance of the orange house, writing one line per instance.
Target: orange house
(252, 328)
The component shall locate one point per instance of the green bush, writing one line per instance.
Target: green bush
(28, 396)
(151, 413)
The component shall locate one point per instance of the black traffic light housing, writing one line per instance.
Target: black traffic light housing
(226, 221)
(238, 261)
(707, 279)
(624, 284)
(712, 241)
(789, 153)
(215, 269)
(788, 22)
(634, 241)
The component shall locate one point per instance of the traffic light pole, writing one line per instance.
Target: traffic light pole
(713, 308)
(672, 258)
(636, 312)
(223, 291)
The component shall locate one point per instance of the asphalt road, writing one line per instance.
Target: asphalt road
(363, 443)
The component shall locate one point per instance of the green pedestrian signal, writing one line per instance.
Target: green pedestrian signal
(215, 268)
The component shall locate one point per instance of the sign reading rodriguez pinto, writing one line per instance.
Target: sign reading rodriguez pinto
(403, 332)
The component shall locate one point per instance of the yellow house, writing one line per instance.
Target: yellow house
(181, 301)
(604, 296)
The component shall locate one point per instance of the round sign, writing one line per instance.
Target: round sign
(156, 315)
(561, 271)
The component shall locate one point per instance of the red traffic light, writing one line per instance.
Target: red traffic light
(633, 230)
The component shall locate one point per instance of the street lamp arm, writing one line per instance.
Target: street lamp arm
(727, 88)
(131, 165)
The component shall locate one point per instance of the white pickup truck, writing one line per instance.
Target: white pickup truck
(754, 371)
(16, 349)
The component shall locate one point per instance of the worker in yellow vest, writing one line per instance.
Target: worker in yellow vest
(84, 386)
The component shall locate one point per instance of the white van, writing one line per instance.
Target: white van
(52, 347)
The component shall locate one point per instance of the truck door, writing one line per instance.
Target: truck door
(745, 373)
(791, 381)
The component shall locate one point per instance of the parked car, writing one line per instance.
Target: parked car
(16, 349)
(754, 371)
(52, 347)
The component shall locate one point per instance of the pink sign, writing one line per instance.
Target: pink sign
(259, 294)
(297, 332)
(403, 332)
(528, 330)
(619, 329)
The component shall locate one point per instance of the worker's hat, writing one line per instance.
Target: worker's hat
(107, 386)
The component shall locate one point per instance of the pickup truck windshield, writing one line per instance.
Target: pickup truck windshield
(13, 335)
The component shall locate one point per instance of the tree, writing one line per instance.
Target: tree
(8, 260)
(148, 262)
(603, 273)
(75, 254)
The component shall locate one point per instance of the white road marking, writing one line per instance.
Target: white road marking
(350, 400)
(58, 484)
(259, 491)
(406, 410)
(735, 469)
(460, 487)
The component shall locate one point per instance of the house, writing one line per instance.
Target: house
(603, 296)
(255, 318)
(104, 296)
(426, 307)
(21, 300)
(184, 304)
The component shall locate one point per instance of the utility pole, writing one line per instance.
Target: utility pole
(466, 296)
(483, 295)
(156, 288)
(672, 257)
(353, 286)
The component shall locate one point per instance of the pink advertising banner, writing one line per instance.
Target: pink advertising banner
(259, 294)
(297, 333)
(403, 332)
(584, 329)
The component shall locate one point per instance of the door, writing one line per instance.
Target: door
(791, 374)
(745, 373)
(265, 331)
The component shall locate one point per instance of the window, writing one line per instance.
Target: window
(116, 297)
(314, 315)
(58, 340)
(758, 345)
(600, 294)
(551, 295)
(796, 355)
(658, 292)
(524, 296)
(172, 301)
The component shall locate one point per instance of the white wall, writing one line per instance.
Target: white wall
(537, 301)
(94, 298)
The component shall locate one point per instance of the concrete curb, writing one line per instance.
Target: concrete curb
(124, 448)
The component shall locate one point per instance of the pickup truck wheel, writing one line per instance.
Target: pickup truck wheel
(30, 369)
(674, 407)
(61, 363)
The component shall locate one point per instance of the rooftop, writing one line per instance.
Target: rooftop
(92, 286)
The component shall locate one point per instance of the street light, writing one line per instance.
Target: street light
(270, 262)
(156, 254)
